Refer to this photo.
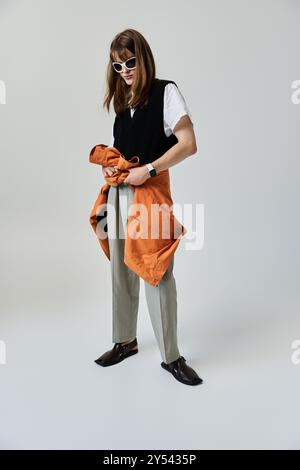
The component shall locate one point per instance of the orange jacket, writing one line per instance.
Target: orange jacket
(147, 256)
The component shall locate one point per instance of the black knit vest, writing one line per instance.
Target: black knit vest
(143, 134)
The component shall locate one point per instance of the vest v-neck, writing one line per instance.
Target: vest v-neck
(129, 110)
(137, 108)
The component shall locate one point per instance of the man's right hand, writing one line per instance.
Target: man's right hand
(108, 170)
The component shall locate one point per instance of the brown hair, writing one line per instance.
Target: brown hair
(144, 75)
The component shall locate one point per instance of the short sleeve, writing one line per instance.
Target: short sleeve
(112, 138)
(174, 107)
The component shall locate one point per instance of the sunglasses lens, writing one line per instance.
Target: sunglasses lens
(130, 63)
(117, 67)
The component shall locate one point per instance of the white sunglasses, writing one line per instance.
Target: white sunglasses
(129, 64)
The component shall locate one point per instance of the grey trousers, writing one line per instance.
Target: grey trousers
(161, 299)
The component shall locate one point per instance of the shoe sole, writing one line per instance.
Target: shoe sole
(198, 382)
(130, 353)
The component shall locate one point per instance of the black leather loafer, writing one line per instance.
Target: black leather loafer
(182, 372)
(117, 354)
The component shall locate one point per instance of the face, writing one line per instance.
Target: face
(127, 75)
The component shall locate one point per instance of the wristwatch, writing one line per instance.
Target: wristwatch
(151, 169)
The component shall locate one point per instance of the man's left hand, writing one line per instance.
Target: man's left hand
(137, 175)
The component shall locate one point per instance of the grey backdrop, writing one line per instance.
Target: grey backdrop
(238, 297)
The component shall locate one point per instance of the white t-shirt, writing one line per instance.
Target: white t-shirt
(174, 108)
